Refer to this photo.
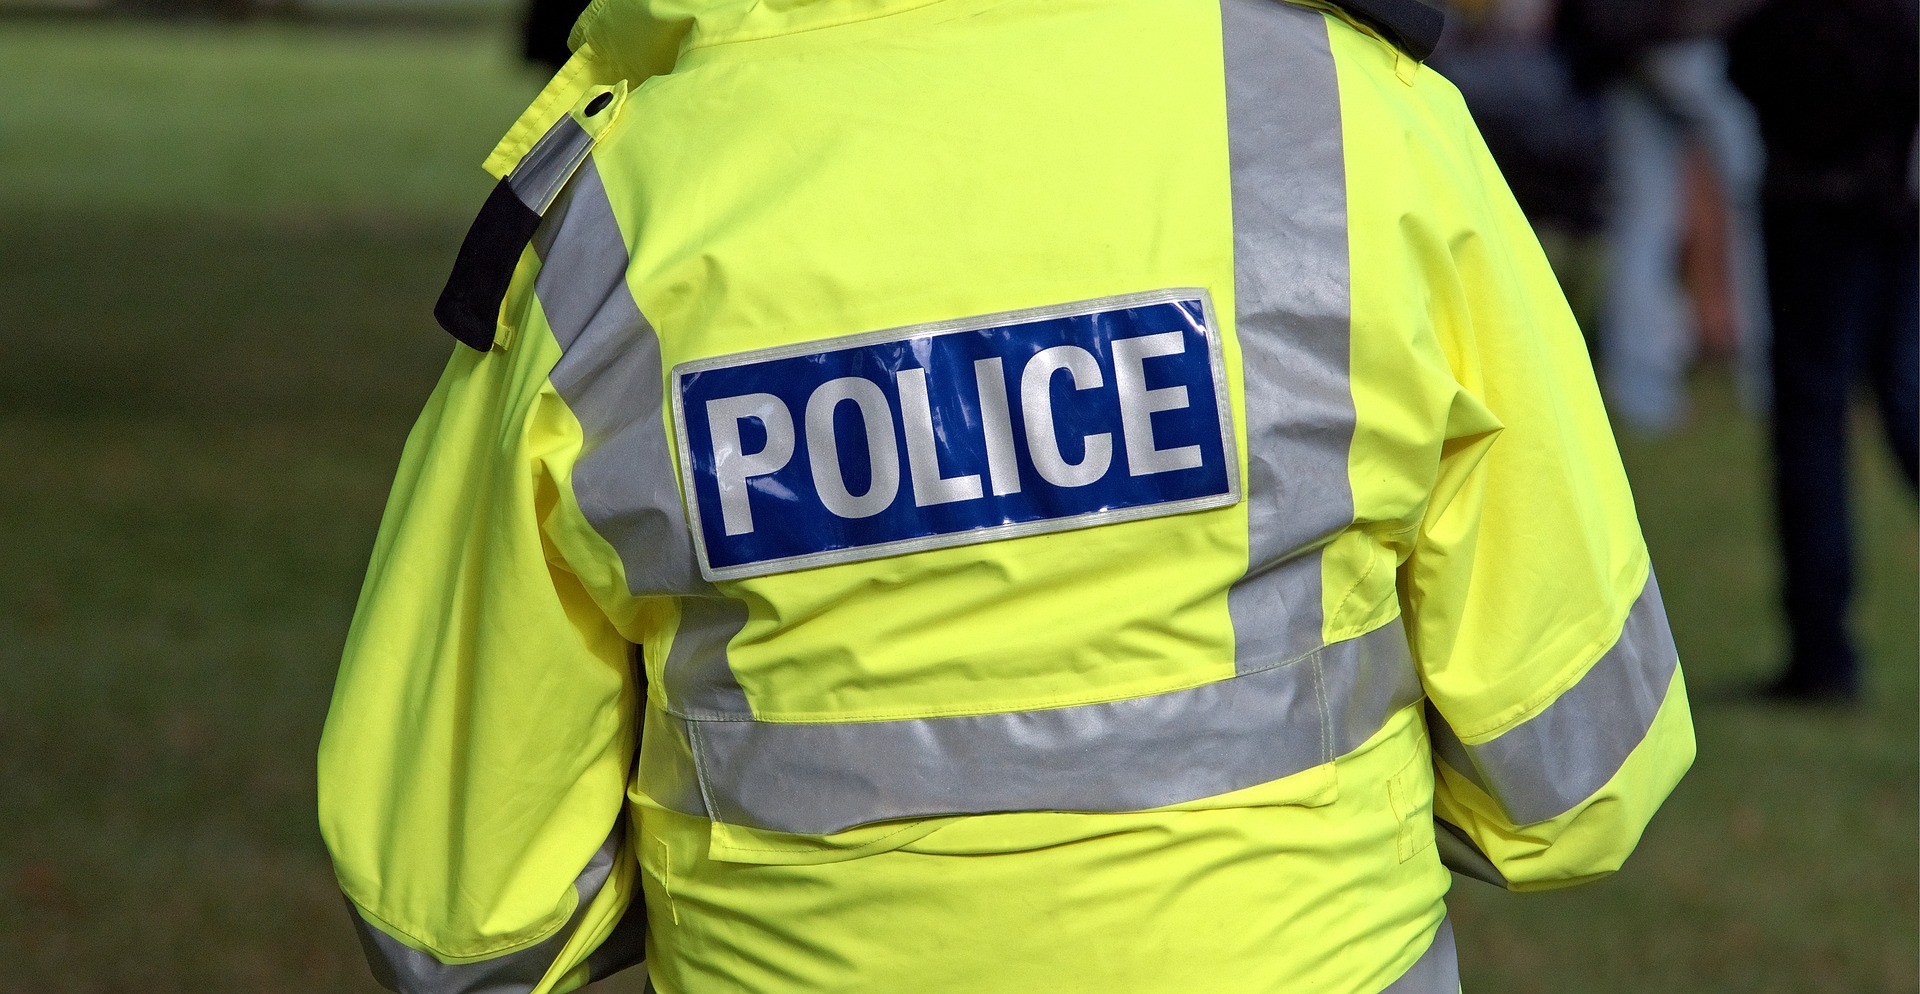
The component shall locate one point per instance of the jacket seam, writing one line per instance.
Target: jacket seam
(490, 953)
(1594, 653)
(803, 849)
(769, 35)
(1311, 655)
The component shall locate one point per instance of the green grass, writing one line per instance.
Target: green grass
(218, 250)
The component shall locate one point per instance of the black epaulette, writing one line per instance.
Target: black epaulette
(1410, 24)
(469, 305)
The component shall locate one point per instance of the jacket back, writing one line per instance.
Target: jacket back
(1067, 469)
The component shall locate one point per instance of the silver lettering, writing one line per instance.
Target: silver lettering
(996, 422)
(1036, 403)
(923, 450)
(824, 454)
(732, 468)
(1138, 404)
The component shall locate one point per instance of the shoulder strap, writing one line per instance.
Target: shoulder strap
(1410, 24)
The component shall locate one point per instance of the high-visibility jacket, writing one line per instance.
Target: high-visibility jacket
(993, 495)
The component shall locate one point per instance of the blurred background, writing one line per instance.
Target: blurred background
(223, 224)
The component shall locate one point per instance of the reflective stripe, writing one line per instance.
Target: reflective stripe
(546, 167)
(402, 968)
(1544, 766)
(610, 376)
(666, 770)
(1128, 755)
(1437, 971)
(469, 305)
(1292, 317)
(699, 683)
(1459, 854)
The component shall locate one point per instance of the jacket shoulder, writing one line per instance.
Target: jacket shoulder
(1410, 24)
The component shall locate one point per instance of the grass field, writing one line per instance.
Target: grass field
(218, 250)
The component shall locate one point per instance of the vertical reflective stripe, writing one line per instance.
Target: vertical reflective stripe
(610, 376)
(547, 166)
(699, 683)
(1292, 317)
(1125, 755)
(1437, 971)
(1544, 766)
(402, 968)
(666, 768)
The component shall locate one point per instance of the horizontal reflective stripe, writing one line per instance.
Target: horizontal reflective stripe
(400, 967)
(546, 167)
(1127, 755)
(1546, 765)
(1437, 971)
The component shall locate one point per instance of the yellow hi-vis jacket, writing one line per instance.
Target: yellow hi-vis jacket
(994, 495)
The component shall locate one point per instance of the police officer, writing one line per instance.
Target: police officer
(994, 496)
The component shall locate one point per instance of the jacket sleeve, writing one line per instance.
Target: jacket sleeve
(473, 768)
(1556, 707)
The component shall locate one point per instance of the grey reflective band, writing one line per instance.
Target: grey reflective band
(400, 967)
(1292, 318)
(610, 377)
(1459, 854)
(696, 674)
(1544, 766)
(1126, 755)
(1437, 971)
(547, 166)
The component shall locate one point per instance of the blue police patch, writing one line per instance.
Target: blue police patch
(954, 433)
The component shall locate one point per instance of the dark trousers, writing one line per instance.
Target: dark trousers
(1846, 307)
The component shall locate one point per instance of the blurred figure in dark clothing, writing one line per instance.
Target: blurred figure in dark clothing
(1833, 83)
(543, 35)
(1661, 65)
(1540, 128)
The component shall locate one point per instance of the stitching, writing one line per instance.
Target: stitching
(855, 849)
(666, 873)
(1373, 563)
(1326, 716)
(700, 771)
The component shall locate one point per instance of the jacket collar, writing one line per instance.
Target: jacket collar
(644, 38)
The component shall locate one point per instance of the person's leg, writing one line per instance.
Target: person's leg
(1819, 308)
(1644, 327)
(1691, 78)
(1896, 352)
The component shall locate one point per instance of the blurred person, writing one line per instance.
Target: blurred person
(1662, 67)
(994, 495)
(1541, 128)
(544, 29)
(1833, 83)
